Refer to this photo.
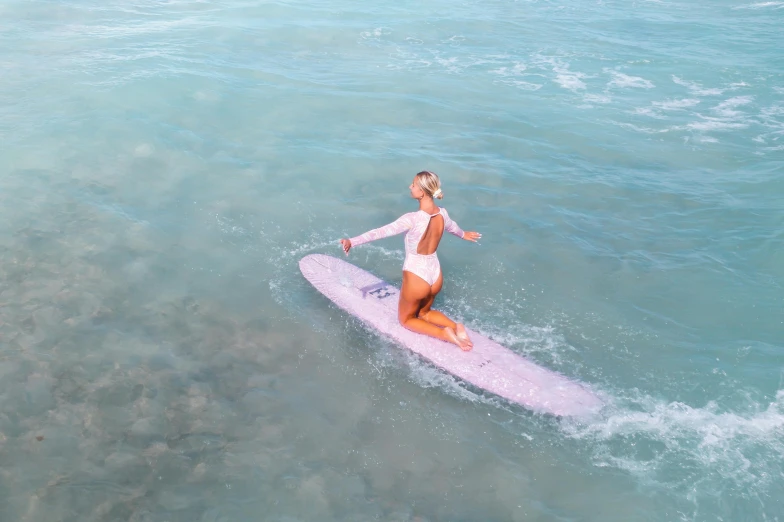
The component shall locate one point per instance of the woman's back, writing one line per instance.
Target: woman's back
(432, 235)
(420, 228)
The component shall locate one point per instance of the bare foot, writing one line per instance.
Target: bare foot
(461, 333)
(452, 337)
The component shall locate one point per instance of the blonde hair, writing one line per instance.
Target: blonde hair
(430, 184)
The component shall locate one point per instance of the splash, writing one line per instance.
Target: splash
(690, 450)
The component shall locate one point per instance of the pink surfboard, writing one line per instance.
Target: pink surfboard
(488, 365)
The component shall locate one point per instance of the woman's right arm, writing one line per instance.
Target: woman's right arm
(453, 228)
(400, 225)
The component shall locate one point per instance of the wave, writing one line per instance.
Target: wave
(623, 81)
(567, 79)
(707, 447)
(674, 105)
(696, 88)
(761, 5)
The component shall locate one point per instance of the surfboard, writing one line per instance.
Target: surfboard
(488, 365)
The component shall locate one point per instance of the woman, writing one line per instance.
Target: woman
(422, 277)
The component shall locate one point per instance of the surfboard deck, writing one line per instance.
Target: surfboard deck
(488, 365)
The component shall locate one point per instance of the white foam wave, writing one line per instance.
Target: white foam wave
(651, 438)
(658, 110)
(567, 79)
(726, 117)
(637, 128)
(771, 117)
(761, 5)
(624, 81)
(510, 76)
(564, 77)
(738, 85)
(526, 86)
(697, 88)
(126, 30)
(674, 105)
(727, 108)
(450, 64)
(714, 124)
(516, 70)
(647, 111)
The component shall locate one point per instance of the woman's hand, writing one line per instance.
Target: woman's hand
(346, 245)
(468, 236)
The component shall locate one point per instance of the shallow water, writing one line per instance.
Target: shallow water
(164, 165)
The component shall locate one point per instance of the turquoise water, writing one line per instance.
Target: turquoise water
(164, 165)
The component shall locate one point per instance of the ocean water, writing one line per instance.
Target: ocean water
(165, 164)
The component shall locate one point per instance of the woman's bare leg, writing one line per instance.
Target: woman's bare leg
(434, 316)
(439, 318)
(413, 295)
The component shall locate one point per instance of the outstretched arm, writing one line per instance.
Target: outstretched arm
(402, 224)
(452, 227)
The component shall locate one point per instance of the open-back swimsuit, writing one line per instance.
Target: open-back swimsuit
(414, 224)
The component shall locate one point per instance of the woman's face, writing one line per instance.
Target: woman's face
(416, 190)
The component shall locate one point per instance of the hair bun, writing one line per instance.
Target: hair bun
(430, 184)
